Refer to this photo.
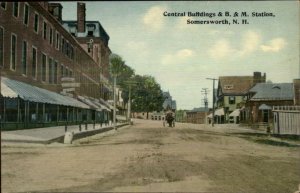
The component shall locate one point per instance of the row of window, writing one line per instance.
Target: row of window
(48, 33)
(51, 68)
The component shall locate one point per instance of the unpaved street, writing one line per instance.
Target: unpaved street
(148, 157)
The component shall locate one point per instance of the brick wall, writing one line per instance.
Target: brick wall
(84, 69)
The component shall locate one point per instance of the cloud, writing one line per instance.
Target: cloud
(154, 18)
(181, 56)
(224, 48)
(274, 45)
(250, 42)
(221, 49)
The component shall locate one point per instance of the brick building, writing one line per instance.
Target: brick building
(197, 115)
(263, 97)
(38, 53)
(94, 40)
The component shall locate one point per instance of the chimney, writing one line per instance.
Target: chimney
(80, 17)
(264, 78)
(256, 78)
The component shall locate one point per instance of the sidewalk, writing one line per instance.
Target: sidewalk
(51, 134)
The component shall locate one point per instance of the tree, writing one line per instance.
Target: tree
(116, 68)
(147, 95)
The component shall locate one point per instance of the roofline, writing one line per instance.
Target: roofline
(94, 21)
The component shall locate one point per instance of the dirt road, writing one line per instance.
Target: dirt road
(148, 157)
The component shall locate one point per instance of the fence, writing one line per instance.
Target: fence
(286, 120)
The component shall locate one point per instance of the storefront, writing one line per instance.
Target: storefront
(24, 106)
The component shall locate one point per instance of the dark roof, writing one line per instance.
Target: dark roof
(200, 109)
(235, 85)
(272, 91)
(102, 31)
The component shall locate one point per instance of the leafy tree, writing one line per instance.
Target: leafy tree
(147, 95)
(116, 67)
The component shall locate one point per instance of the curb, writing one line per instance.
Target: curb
(60, 139)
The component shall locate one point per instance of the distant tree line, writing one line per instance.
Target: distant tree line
(146, 93)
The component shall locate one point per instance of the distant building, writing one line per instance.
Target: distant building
(169, 103)
(197, 115)
(159, 116)
(232, 91)
(263, 96)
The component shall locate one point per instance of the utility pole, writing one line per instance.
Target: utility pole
(205, 100)
(130, 84)
(213, 113)
(114, 92)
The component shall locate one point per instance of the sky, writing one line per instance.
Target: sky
(182, 56)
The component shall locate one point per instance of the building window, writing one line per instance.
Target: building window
(57, 41)
(55, 72)
(62, 45)
(91, 29)
(24, 57)
(66, 73)
(13, 52)
(34, 62)
(228, 87)
(231, 100)
(50, 70)
(3, 5)
(51, 36)
(36, 22)
(44, 30)
(90, 47)
(62, 70)
(1, 46)
(16, 9)
(26, 14)
(71, 73)
(44, 61)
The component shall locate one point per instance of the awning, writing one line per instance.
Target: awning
(106, 103)
(13, 89)
(89, 102)
(7, 92)
(264, 107)
(97, 102)
(219, 112)
(235, 113)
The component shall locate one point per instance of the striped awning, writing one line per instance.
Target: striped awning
(13, 89)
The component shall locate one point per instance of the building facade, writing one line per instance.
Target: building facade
(197, 115)
(94, 40)
(232, 91)
(263, 97)
(38, 51)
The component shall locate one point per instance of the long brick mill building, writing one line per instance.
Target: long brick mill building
(52, 72)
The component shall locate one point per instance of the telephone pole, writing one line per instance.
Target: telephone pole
(130, 83)
(205, 100)
(213, 113)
